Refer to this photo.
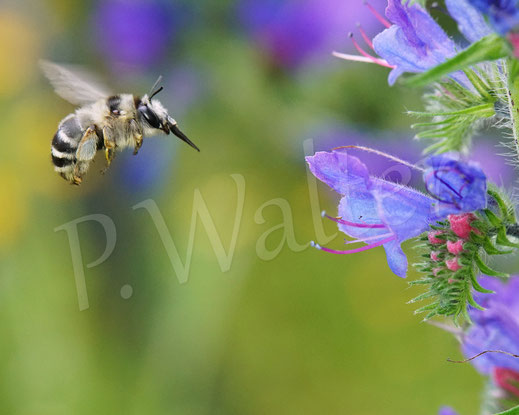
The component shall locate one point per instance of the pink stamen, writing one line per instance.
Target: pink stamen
(379, 17)
(356, 58)
(366, 240)
(366, 54)
(361, 51)
(365, 36)
(354, 251)
(355, 225)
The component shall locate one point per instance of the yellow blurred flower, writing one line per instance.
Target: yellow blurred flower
(19, 51)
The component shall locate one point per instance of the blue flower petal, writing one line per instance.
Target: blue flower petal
(375, 211)
(502, 14)
(407, 212)
(447, 410)
(495, 328)
(459, 186)
(396, 259)
(420, 29)
(360, 207)
(343, 173)
(471, 22)
(397, 211)
(415, 42)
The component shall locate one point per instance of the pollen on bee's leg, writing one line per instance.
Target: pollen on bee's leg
(353, 224)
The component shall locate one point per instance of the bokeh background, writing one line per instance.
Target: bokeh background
(249, 81)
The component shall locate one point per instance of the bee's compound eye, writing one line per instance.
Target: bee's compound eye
(150, 116)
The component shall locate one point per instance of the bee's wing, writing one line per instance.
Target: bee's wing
(75, 85)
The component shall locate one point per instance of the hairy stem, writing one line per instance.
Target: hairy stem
(513, 101)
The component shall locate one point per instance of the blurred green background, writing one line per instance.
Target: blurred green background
(302, 333)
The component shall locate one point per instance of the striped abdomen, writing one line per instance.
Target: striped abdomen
(64, 146)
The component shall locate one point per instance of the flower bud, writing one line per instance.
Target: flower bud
(453, 264)
(455, 248)
(460, 224)
(432, 236)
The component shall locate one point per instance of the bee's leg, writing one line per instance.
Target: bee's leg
(138, 144)
(137, 134)
(76, 180)
(85, 153)
(109, 146)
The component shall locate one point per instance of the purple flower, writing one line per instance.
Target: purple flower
(484, 152)
(150, 170)
(454, 183)
(502, 14)
(496, 327)
(292, 33)
(471, 23)
(133, 33)
(447, 410)
(416, 43)
(378, 212)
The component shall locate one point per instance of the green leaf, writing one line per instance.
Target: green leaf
(483, 110)
(490, 249)
(489, 48)
(472, 302)
(493, 218)
(427, 308)
(476, 284)
(507, 213)
(479, 84)
(485, 269)
(511, 411)
(432, 124)
(503, 240)
(422, 297)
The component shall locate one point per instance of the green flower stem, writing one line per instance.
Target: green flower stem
(513, 100)
(511, 411)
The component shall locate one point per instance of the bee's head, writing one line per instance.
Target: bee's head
(153, 115)
(155, 118)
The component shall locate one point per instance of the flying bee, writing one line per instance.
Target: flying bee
(104, 121)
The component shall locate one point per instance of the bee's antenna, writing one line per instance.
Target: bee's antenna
(154, 92)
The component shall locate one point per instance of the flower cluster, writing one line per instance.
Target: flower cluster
(378, 212)
(494, 336)
(462, 221)
(414, 42)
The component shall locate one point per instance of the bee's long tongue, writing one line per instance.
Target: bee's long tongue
(175, 130)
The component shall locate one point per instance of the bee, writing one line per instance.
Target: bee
(103, 121)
